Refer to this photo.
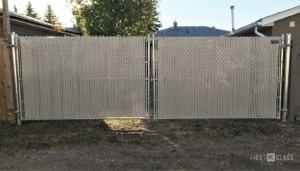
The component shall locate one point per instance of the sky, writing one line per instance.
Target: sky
(212, 13)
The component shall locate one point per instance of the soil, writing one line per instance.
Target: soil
(159, 145)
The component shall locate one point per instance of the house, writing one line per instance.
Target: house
(190, 31)
(274, 25)
(287, 21)
(28, 26)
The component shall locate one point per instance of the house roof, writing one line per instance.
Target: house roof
(268, 21)
(23, 19)
(191, 31)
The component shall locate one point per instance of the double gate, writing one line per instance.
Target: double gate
(59, 78)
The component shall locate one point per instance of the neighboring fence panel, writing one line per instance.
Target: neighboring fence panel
(83, 78)
(217, 78)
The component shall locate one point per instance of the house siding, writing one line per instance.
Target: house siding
(280, 27)
(23, 28)
(26, 30)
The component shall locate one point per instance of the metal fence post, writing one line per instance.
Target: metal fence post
(149, 77)
(154, 75)
(280, 74)
(16, 81)
(287, 45)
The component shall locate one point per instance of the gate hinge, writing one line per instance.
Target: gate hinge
(285, 45)
(17, 111)
(11, 45)
(284, 110)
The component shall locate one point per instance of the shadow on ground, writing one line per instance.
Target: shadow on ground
(165, 144)
(43, 134)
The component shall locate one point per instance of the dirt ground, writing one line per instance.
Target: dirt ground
(159, 145)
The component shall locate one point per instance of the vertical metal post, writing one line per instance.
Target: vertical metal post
(154, 75)
(16, 82)
(21, 92)
(18, 69)
(286, 76)
(280, 81)
(148, 75)
(280, 73)
(232, 18)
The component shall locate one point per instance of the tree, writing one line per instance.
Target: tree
(50, 17)
(117, 17)
(15, 8)
(30, 11)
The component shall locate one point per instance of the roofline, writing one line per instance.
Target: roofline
(268, 20)
(278, 16)
(246, 29)
(45, 28)
(37, 23)
(192, 27)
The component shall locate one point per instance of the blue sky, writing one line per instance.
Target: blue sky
(217, 12)
(186, 12)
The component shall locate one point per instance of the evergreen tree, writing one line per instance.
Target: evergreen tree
(30, 11)
(15, 8)
(50, 17)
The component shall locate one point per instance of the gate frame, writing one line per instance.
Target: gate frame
(151, 76)
(18, 81)
(283, 91)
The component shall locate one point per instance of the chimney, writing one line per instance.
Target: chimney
(175, 25)
(232, 18)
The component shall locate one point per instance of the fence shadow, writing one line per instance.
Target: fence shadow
(56, 134)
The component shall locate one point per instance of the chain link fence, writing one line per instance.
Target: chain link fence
(83, 78)
(135, 77)
(220, 77)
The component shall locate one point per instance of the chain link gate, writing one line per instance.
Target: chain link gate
(61, 78)
(219, 77)
(83, 78)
